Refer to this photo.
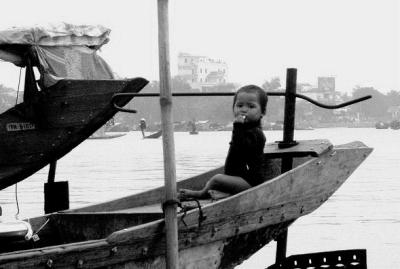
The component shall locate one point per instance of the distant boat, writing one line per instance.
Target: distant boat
(118, 127)
(301, 127)
(193, 128)
(395, 124)
(381, 125)
(154, 135)
(102, 134)
(278, 125)
(106, 136)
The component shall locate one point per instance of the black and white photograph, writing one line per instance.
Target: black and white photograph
(259, 134)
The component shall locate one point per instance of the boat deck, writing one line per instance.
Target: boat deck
(272, 151)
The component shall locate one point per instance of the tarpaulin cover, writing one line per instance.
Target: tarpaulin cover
(63, 50)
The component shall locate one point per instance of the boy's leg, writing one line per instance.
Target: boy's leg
(229, 184)
(220, 182)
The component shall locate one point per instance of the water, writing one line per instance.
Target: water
(363, 213)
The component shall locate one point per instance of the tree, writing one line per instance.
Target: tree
(393, 98)
(178, 84)
(375, 107)
(272, 85)
(7, 98)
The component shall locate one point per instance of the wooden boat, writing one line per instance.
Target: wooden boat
(65, 105)
(154, 135)
(130, 232)
(118, 127)
(303, 127)
(276, 126)
(102, 134)
(395, 124)
(105, 136)
(193, 128)
(381, 125)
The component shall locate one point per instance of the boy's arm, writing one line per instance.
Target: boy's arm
(246, 139)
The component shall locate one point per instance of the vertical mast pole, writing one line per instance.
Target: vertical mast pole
(172, 259)
(288, 135)
(290, 108)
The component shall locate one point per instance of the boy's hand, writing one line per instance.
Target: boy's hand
(240, 119)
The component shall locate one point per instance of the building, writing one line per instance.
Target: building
(201, 71)
(394, 112)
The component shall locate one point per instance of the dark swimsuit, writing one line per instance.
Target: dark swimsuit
(246, 151)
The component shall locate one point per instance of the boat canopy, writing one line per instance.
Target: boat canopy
(58, 50)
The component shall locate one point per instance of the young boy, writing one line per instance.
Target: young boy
(243, 164)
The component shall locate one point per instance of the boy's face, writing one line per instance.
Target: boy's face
(247, 105)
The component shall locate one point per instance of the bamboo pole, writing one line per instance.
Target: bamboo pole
(171, 226)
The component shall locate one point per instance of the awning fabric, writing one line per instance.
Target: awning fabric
(63, 50)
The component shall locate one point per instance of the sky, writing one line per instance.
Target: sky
(356, 41)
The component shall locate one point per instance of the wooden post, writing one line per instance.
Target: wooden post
(288, 135)
(52, 172)
(290, 108)
(171, 225)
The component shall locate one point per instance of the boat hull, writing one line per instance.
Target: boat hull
(130, 232)
(395, 124)
(106, 136)
(154, 135)
(32, 136)
(381, 125)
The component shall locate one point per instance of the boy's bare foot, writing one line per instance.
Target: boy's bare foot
(185, 194)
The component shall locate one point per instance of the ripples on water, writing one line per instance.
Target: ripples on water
(363, 213)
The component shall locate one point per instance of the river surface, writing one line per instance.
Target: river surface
(363, 213)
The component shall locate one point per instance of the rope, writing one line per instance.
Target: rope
(201, 214)
(16, 200)
(35, 235)
(19, 82)
(171, 202)
(16, 185)
(186, 208)
(174, 202)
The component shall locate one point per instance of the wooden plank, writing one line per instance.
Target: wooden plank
(150, 197)
(75, 87)
(75, 227)
(303, 148)
(153, 208)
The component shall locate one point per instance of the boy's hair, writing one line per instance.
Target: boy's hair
(262, 95)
